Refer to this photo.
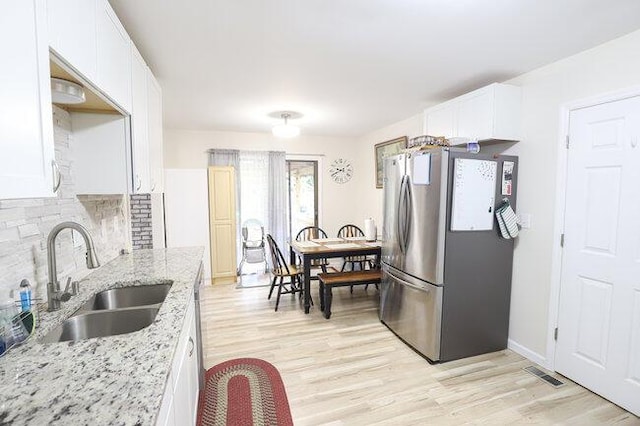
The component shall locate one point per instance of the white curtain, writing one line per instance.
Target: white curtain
(278, 198)
(254, 169)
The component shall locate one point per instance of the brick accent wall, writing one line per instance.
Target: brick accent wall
(141, 226)
(25, 225)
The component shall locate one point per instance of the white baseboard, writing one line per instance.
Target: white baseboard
(527, 353)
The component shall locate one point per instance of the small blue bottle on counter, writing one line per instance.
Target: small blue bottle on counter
(25, 295)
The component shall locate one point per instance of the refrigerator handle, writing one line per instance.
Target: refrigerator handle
(407, 212)
(401, 216)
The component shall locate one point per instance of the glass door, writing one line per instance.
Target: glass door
(302, 176)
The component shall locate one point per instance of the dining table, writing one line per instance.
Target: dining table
(324, 248)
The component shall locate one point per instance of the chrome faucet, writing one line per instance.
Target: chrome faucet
(54, 294)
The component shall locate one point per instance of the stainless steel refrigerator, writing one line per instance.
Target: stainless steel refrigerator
(446, 282)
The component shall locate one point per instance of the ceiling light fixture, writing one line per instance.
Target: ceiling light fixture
(286, 130)
(66, 92)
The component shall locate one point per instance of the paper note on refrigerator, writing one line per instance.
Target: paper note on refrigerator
(474, 188)
(422, 169)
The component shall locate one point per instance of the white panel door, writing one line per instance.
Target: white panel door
(599, 318)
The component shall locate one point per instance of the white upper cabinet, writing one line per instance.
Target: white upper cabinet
(100, 152)
(441, 121)
(72, 34)
(140, 123)
(113, 56)
(155, 134)
(26, 123)
(492, 112)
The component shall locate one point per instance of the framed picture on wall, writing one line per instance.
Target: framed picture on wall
(385, 149)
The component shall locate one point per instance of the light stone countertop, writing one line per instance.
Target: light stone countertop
(117, 380)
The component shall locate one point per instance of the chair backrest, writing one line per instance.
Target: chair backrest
(350, 231)
(278, 263)
(252, 231)
(309, 233)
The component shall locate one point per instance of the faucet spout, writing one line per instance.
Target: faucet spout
(53, 287)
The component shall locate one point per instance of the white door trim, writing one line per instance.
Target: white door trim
(561, 184)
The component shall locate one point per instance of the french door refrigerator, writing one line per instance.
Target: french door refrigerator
(446, 282)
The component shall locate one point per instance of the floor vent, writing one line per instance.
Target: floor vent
(544, 376)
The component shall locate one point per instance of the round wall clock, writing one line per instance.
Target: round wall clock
(341, 170)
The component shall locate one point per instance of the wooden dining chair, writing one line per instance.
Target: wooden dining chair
(280, 270)
(310, 233)
(350, 231)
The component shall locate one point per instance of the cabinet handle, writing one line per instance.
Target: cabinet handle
(57, 180)
(138, 183)
(153, 186)
(193, 345)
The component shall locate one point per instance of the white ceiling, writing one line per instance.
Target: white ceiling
(350, 66)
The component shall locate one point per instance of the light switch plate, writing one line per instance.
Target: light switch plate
(524, 220)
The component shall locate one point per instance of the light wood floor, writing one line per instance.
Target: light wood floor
(351, 370)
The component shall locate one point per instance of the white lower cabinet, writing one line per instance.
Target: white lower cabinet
(180, 401)
(166, 416)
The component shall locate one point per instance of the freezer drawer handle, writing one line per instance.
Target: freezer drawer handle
(408, 284)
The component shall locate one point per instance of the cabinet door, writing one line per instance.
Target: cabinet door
(26, 121)
(441, 120)
(139, 123)
(100, 152)
(222, 217)
(475, 116)
(192, 354)
(155, 133)
(166, 416)
(72, 33)
(182, 371)
(113, 56)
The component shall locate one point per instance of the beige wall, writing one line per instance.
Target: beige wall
(370, 203)
(187, 149)
(611, 66)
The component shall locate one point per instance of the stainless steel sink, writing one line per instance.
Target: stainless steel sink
(126, 297)
(102, 323)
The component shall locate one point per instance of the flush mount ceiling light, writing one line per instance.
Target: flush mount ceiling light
(66, 92)
(286, 130)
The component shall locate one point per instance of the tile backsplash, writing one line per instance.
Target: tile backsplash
(25, 225)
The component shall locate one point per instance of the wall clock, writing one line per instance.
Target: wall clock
(341, 170)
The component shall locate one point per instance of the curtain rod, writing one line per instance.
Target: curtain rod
(209, 151)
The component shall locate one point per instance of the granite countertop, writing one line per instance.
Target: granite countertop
(117, 380)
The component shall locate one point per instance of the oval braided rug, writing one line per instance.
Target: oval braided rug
(244, 391)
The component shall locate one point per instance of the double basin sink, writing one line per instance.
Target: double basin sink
(112, 312)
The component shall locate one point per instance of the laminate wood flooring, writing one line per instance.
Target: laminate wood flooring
(351, 370)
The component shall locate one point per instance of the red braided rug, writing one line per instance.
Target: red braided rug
(244, 392)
